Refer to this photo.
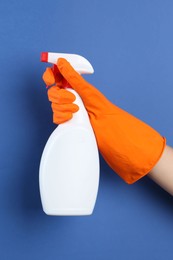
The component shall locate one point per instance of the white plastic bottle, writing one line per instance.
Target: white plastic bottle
(69, 167)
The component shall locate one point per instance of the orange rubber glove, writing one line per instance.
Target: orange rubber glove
(129, 146)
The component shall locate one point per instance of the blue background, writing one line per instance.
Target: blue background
(130, 45)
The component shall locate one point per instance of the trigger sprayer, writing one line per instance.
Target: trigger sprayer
(69, 167)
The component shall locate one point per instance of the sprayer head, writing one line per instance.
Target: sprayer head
(79, 63)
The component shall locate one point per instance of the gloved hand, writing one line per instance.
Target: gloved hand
(129, 146)
(61, 99)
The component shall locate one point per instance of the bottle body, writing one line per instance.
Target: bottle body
(69, 168)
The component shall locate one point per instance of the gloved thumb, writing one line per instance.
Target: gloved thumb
(89, 94)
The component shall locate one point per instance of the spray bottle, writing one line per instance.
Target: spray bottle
(69, 167)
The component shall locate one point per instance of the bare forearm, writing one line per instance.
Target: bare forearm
(162, 173)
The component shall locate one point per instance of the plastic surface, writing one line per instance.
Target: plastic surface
(69, 168)
(79, 63)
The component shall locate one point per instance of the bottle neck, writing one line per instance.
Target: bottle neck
(81, 116)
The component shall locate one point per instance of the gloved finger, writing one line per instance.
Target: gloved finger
(64, 108)
(60, 96)
(91, 97)
(61, 117)
(48, 77)
(52, 76)
(73, 77)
